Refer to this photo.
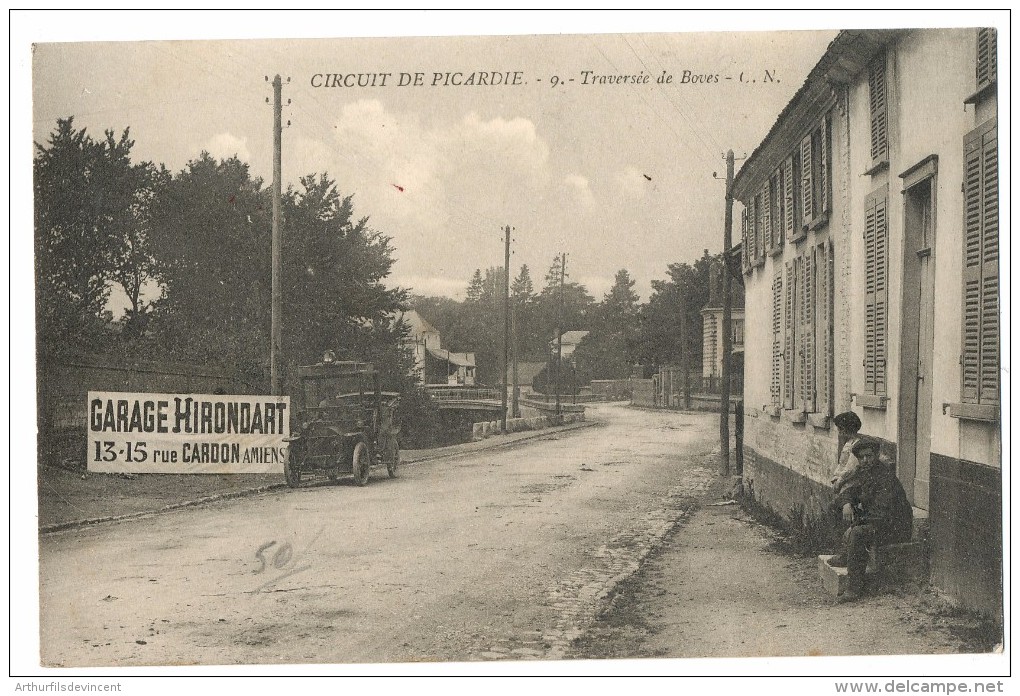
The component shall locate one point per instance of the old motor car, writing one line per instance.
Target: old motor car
(342, 423)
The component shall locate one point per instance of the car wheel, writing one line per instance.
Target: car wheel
(361, 461)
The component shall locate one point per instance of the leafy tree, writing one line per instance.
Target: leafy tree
(211, 243)
(333, 268)
(87, 200)
(608, 350)
(671, 323)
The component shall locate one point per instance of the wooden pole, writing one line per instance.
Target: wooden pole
(724, 401)
(276, 340)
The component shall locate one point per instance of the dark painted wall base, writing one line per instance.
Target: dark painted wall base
(966, 533)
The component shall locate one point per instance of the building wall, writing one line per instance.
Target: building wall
(808, 449)
(929, 75)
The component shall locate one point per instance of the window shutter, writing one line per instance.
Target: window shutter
(756, 229)
(879, 110)
(789, 347)
(745, 255)
(806, 183)
(807, 332)
(789, 210)
(825, 276)
(980, 359)
(876, 292)
(824, 167)
(777, 345)
(766, 219)
(986, 57)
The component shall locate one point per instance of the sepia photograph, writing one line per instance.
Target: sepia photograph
(512, 344)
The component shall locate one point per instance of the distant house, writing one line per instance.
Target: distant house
(432, 363)
(571, 339)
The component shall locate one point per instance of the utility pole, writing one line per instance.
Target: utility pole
(559, 332)
(514, 350)
(724, 401)
(276, 339)
(506, 320)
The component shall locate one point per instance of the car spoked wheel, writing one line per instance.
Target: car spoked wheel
(362, 462)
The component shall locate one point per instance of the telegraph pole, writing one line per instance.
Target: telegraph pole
(727, 348)
(277, 330)
(506, 320)
(559, 331)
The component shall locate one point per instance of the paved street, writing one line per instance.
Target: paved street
(500, 554)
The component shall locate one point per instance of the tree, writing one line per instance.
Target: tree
(608, 350)
(563, 308)
(333, 268)
(475, 287)
(211, 243)
(86, 202)
(213, 251)
(670, 323)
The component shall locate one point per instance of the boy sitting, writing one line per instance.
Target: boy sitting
(873, 503)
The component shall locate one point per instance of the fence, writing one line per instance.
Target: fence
(463, 394)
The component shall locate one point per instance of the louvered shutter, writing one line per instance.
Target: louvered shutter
(789, 339)
(879, 110)
(807, 332)
(789, 209)
(824, 274)
(777, 338)
(824, 166)
(876, 292)
(745, 252)
(755, 230)
(806, 182)
(986, 57)
(766, 219)
(980, 357)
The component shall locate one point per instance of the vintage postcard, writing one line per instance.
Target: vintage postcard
(398, 351)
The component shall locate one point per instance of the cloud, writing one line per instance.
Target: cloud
(579, 187)
(631, 183)
(226, 145)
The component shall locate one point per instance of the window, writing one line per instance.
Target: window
(824, 275)
(737, 332)
(980, 358)
(777, 210)
(879, 107)
(876, 291)
(802, 361)
(815, 175)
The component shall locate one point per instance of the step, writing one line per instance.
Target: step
(835, 579)
(905, 561)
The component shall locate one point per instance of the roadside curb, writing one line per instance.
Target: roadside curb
(488, 444)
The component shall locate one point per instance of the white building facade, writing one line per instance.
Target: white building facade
(870, 261)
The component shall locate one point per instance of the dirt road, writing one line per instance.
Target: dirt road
(491, 555)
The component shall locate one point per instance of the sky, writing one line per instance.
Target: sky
(617, 176)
